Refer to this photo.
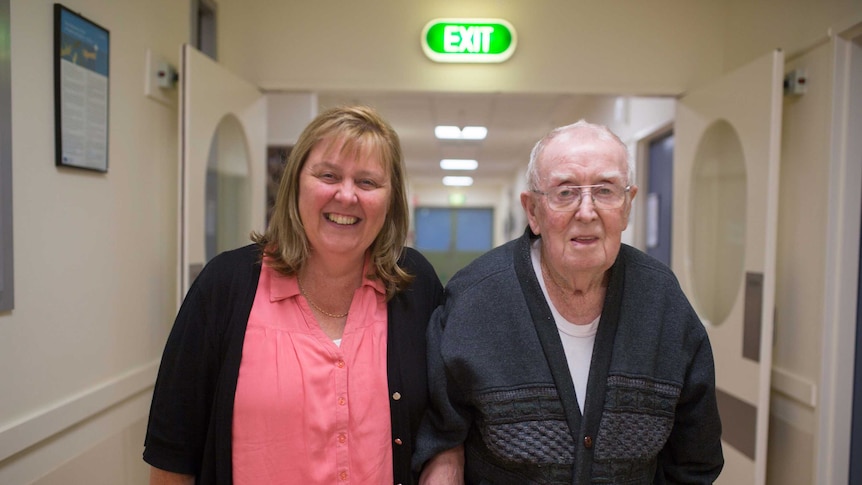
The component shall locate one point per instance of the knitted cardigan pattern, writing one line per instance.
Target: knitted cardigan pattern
(500, 383)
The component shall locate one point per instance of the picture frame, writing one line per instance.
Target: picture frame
(81, 91)
(7, 280)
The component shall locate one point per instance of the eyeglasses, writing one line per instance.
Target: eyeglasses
(566, 198)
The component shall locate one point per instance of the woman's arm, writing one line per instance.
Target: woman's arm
(163, 477)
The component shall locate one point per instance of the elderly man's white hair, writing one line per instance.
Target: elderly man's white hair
(601, 131)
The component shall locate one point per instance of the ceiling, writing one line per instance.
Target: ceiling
(515, 123)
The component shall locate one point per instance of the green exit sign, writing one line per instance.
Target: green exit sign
(468, 40)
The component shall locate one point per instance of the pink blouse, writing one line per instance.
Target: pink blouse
(307, 410)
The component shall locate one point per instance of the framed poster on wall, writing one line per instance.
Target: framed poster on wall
(81, 75)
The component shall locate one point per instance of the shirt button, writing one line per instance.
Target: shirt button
(342, 476)
(396, 396)
(398, 441)
(340, 364)
(341, 401)
(588, 441)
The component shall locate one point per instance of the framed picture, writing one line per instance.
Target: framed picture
(81, 79)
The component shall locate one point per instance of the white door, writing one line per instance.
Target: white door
(223, 162)
(724, 239)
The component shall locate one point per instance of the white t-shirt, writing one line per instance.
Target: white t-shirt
(577, 340)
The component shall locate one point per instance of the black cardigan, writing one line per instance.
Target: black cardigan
(189, 429)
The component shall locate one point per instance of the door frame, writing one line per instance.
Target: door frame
(204, 25)
(642, 141)
(664, 177)
(840, 289)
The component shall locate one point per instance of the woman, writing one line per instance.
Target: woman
(301, 358)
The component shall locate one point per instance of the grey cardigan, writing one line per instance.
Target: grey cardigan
(500, 382)
(189, 429)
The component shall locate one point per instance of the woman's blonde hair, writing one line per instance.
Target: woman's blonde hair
(285, 244)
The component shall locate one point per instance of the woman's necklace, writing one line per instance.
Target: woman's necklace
(313, 305)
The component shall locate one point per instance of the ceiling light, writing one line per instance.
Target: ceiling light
(449, 132)
(458, 181)
(458, 164)
(474, 133)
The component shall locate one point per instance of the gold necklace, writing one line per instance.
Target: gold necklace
(313, 305)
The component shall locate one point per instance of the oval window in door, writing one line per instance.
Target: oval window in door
(718, 222)
(228, 189)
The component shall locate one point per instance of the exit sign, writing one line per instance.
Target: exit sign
(468, 40)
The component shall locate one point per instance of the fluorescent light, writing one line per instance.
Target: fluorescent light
(449, 132)
(458, 164)
(474, 133)
(458, 181)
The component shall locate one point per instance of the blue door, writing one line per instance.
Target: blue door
(452, 238)
(660, 198)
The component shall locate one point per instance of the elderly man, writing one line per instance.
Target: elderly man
(566, 356)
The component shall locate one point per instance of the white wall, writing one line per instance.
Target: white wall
(95, 254)
(754, 28)
(287, 113)
(613, 46)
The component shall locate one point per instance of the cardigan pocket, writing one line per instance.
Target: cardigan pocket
(637, 420)
(525, 426)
